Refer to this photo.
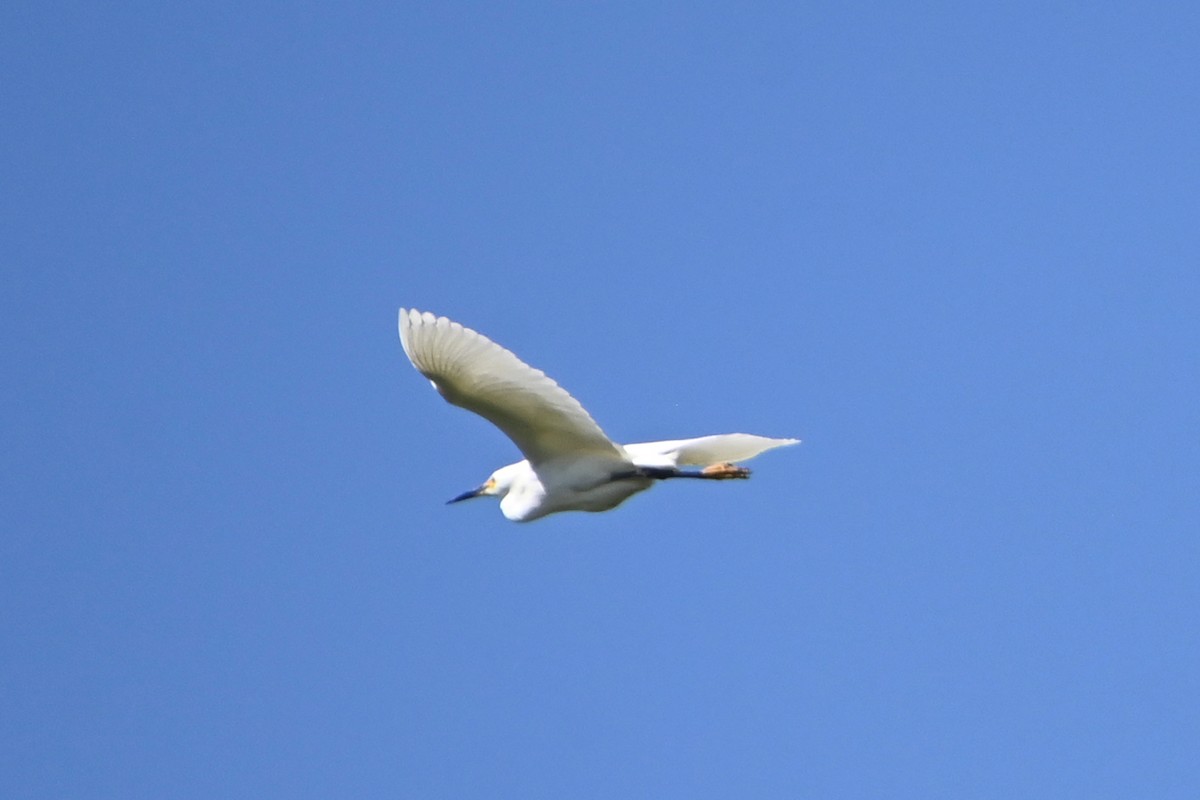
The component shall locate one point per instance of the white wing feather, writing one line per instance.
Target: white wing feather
(473, 372)
(704, 451)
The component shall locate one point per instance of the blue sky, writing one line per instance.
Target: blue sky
(953, 248)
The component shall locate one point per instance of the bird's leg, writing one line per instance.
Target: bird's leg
(716, 472)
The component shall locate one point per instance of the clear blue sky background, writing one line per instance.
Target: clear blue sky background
(954, 248)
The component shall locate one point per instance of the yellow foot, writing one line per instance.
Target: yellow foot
(725, 471)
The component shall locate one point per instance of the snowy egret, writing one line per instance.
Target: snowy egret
(570, 465)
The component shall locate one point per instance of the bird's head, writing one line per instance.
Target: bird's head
(498, 485)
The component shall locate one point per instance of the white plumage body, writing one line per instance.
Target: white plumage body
(570, 464)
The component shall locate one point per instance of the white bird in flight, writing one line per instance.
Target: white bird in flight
(570, 464)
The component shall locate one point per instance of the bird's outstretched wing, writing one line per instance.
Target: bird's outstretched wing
(473, 372)
(704, 451)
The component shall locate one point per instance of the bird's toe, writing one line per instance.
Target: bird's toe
(725, 471)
